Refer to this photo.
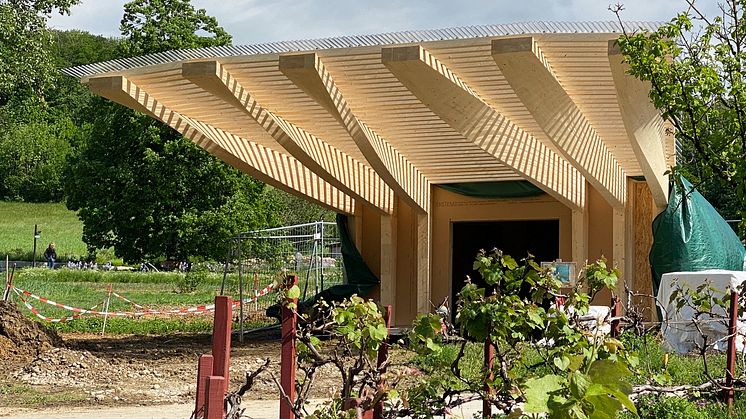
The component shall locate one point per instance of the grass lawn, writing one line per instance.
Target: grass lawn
(57, 224)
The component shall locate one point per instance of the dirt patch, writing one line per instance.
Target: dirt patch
(21, 338)
(129, 370)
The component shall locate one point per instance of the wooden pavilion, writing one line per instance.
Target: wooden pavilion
(390, 129)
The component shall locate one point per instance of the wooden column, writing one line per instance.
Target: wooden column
(423, 262)
(214, 396)
(221, 338)
(388, 259)
(204, 370)
(580, 237)
(288, 357)
(619, 227)
(644, 212)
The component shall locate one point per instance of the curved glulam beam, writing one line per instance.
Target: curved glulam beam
(455, 103)
(530, 75)
(334, 166)
(307, 71)
(269, 166)
(645, 127)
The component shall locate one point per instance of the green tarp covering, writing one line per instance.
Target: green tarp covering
(360, 279)
(506, 189)
(690, 235)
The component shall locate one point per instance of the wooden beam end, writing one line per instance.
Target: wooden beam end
(106, 83)
(403, 53)
(290, 62)
(614, 48)
(200, 69)
(509, 45)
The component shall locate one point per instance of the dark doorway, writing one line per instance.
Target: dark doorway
(515, 238)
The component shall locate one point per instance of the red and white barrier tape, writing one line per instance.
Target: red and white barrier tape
(125, 299)
(49, 319)
(179, 311)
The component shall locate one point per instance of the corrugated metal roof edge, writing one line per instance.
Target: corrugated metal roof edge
(390, 38)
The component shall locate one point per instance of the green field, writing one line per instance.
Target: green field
(57, 224)
(86, 289)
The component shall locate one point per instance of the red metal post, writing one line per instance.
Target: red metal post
(730, 371)
(383, 354)
(221, 338)
(204, 370)
(288, 360)
(214, 396)
(489, 359)
(616, 312)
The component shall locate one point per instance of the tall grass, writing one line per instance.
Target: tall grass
(57, 224)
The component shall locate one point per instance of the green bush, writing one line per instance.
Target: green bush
(194, 278)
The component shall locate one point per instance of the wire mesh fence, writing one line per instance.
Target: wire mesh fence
(311, 251)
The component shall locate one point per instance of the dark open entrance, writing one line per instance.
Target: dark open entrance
(516, 238)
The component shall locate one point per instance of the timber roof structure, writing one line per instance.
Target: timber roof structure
(368, 118)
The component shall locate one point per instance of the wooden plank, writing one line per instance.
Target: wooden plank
(308, 72)
(267, 165)
(334, 166)
(530, 74)
(455, 103)
(644, 212)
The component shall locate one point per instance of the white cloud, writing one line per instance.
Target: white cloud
(254, 21)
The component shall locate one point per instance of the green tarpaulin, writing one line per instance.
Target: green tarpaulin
(505, 189)
(360, 279)
(690, 235)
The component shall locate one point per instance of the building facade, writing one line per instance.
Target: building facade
(421, 138)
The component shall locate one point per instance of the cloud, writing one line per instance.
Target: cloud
(254, 21)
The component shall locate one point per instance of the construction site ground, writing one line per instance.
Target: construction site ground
(91, 371)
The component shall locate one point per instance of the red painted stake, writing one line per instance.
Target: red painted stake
(221, 338)
(204, 370)
(489, 359)
(287, 362)
(214, 396)
(383, 354)
(730, 371)
(616, 312)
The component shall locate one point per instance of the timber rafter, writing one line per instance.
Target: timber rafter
(269, 166)
(333, 165)
(308, 72)
(454, 102)
(530, 74)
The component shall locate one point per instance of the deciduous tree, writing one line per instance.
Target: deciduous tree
(141, 187)
(695, 65)
(26, 67)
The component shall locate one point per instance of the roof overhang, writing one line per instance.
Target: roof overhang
(365, 118)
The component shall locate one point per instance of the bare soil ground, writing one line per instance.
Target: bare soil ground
(133, 370)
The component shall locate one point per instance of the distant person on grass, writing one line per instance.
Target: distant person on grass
(50, 254)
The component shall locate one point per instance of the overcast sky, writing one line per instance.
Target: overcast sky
(254, 21)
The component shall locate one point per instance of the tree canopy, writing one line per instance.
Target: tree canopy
(150, 26)
(141, 187)
(26, 67)
(695, 66)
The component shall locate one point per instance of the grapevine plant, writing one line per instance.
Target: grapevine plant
(549, 359)
(580, 373)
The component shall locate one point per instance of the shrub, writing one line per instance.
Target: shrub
(188, 283)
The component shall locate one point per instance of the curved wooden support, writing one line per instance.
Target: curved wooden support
(334, 166)
(531, 76)
(455, 103)
(307, 71)
(645, 128)
(269, 166)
